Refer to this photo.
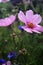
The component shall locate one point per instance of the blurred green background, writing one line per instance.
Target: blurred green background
(29, 47)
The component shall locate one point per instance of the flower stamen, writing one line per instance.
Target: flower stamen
(30, 25)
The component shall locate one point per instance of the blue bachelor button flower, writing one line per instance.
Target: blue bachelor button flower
(20, 28)
(11, 55)
(2, 61)
(15, 2)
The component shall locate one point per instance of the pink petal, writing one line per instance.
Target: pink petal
(12, 17)
(2, 22)
(7, 21)
(36, 19)
(36, 31)
(27, 29)
(39, 28)
(22, 17)
(4, 1)
(29, 15)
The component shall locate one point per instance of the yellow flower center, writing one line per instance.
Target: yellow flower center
(30, 25)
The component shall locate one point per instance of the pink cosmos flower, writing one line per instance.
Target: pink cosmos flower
(8, 62)
(31, 21)
(4, 1)
(7, 21)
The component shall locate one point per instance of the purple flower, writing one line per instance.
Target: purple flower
(20, 28)
(26, 2)
(2, 61)
(11, 55)
(15, 2)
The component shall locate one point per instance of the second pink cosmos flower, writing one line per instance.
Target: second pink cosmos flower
(7, 21)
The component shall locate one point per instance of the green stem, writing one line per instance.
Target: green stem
(33, 7)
